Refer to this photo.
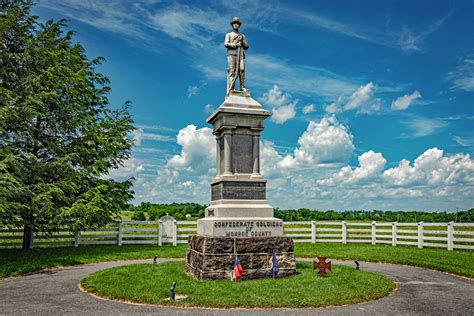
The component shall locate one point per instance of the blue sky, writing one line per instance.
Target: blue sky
(372, 101)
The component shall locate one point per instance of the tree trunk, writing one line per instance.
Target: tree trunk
(27, 238)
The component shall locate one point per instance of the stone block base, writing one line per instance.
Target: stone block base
(210, 258)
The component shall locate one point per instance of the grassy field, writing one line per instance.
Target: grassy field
(150, 283)
(16, 262)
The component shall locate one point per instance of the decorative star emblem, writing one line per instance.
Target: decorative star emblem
(210, 212)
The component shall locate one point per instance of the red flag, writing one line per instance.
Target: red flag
(238, 271)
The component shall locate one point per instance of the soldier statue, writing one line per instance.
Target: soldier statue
(236, 43)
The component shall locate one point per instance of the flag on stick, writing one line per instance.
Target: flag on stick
(274, 269)
(238, 271)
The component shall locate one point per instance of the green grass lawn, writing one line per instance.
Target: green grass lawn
(459, 262)
(150, 283)
(15, 262)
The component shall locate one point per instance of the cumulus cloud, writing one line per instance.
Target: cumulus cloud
(334, 107)
(434, 181)
(312, 174)
(371, 165)
(432, 168)
(130, 168)
(326, 141)
(360, 96)
(361, 101)
(283, 107)
(283, 113)
(198, 149)
(403, 102)
(275, 97)
(309, 108)
(270, 160)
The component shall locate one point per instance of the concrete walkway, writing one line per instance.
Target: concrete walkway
(56, 292)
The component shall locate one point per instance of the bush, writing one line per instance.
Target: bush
(139, 216)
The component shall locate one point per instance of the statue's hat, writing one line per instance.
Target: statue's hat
(235, 20)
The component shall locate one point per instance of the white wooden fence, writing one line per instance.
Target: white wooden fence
(443, 235)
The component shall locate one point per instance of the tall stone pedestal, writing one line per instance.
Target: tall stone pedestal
(239, 221)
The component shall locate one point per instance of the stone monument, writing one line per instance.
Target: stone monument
(238, 221)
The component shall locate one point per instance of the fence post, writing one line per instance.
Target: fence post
(76, 239)
(313, 232)
(344, 232)
(374, 232)
(394, 234)
(119, 239)
(175, 232)
(420, 235)
(450, 235)
(160, 233)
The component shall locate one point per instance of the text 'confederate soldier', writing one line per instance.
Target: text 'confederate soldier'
(235, 41)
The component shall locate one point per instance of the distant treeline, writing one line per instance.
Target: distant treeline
(193, 211)
(304, 214)
(151, 212)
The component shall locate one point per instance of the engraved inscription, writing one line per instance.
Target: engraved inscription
(248, 228)
(238, 190)
(242, 161)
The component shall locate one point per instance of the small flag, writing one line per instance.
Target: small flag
(238, 271)
(274, 269)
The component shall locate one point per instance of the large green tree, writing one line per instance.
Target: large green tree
(58, 134)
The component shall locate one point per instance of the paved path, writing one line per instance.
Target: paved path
(55, 291)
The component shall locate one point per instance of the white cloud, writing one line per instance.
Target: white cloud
(275, 97)
(403, 102)
(208, 108)
(198, 149)
(309, 108)
(188, 184)
(283, 107)
(139, 135)
(192, 90)
(421, 127)
(361, 100)
(433, 182)
(130, 168)
(405, 39)
(334, 107)
(323, 142)
(312, 174)
(465, 142)
(166, 176)
(307, 80)
(110, 16)
(432, 168)
(155, 128)
(184, 22)
(283, 113)
(409, 40)
(371, 165)
(463, 77)
(360, 96)
(269, 159)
